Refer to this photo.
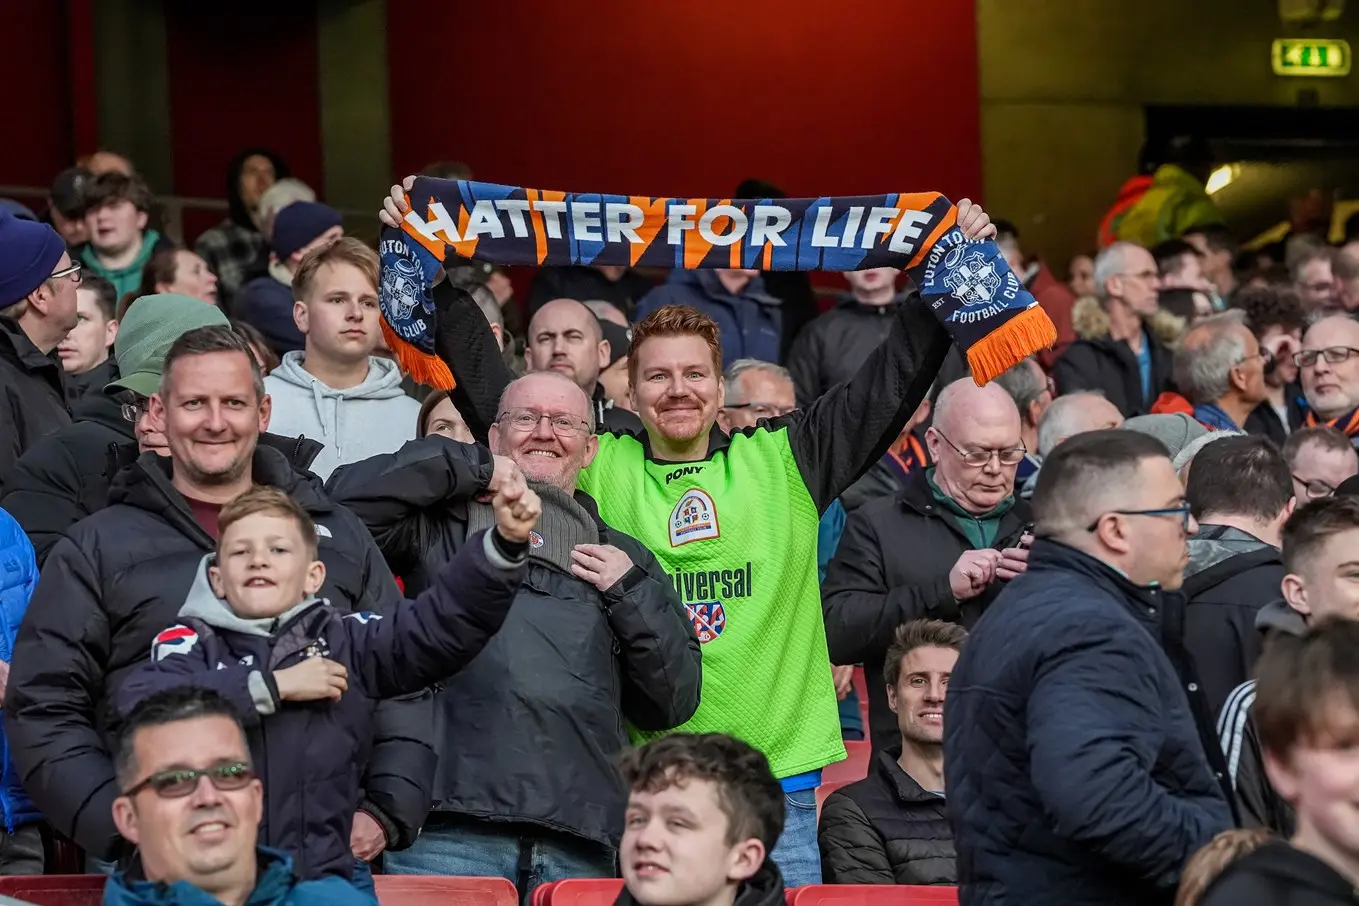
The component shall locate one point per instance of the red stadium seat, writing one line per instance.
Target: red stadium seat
(427, 890)
(542, 893)
(55, 890)
(855, 767)
(579, 892)
(871, 895)
(824, 790)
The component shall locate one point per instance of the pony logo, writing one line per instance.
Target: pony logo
(694, 518)
(971, 277)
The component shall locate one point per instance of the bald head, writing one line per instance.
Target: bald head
(526, 393)
(564, 336)
(1331, 387)
(1075, 413)
(546, 426)
(968, 421)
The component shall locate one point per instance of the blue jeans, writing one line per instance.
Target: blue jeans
(527, 859)
(796, 852)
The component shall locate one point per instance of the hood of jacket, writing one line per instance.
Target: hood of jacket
(203, 604)
(1278, 616)
(1278, 866)
(1215, 543)
(383, 381)
(907, 788)
(1090, 321)
(273, 881)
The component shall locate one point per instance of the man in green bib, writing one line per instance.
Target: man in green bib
(733, 518)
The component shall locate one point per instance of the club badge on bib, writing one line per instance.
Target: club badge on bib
(694, 518)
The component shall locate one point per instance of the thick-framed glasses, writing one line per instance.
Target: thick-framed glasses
(134, 411)
(177, 784)
(762, 410)
(1181, 512)
(527, 420)
(1333, 355)
(1316, 488)
(73, 272)
(1010, 456)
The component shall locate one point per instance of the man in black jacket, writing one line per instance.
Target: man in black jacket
(961, 524)
(530, 730)
(120, 576)
(829, 350)
(1242, 495)
(1073, 729)
(66, 476)
(1129, 365)
(892, 826)
(37, 309)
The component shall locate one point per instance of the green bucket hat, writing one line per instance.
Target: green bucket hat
(150, 327)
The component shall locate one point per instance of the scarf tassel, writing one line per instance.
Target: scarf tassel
(1010, 343)
(422, 367)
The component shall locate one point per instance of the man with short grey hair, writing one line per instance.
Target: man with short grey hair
(1075, 413)
(1086, 782)
(1033, 392)
(1129, 365)
(1221, 371)
(755, 390)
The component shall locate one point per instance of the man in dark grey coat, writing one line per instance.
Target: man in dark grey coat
(1074, 729)
(530, 731)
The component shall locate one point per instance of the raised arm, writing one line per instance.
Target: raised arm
(849, 427)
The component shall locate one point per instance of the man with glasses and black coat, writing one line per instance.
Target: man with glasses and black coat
(1328, 367)
(940, 549)
(1080, 760)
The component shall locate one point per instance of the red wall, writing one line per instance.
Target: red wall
(241, 74)
(37, 111)
(662, 98)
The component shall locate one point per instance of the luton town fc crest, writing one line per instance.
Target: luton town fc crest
(694, 518)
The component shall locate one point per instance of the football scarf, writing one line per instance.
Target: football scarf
(968, 285)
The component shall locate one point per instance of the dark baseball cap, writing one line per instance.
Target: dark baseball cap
(619, 337)
(68, 192)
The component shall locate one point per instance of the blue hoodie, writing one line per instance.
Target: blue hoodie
(274, 886)
(18, 578)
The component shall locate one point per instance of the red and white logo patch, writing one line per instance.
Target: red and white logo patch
(175, 640)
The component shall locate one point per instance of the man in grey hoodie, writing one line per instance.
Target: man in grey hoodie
(1242, 494)
(335, 390)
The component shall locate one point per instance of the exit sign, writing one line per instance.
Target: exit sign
(1320, 57)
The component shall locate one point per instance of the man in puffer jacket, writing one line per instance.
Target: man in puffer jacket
(892, 826)
(22, 844)
(305, 678)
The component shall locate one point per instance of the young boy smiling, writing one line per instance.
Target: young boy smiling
(306, 678)
(703, 813)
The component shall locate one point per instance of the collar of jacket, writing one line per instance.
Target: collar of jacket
(751, 292)
(908, 790)
(18, 348)
(1047, 553)
(954, 507)
(146, 485)
(273, 880)
(850, 305)
(104, 410)
(717, 442)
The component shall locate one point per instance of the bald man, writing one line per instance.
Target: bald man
(564, 336)
(940, 549)
(1075, 413)
(1328, 367)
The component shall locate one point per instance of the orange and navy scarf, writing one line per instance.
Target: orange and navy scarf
(908, 454)
(1349, 424)
(967, 285)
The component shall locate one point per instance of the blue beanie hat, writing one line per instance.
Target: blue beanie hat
(29, 252)
(300, 223)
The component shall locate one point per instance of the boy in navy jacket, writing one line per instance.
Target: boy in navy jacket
(306, 679)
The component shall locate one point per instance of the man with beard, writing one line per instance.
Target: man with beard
(529, 730)
(120, 576)
(734, 518)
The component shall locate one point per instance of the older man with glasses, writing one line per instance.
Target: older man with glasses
(1076, 733)
(66, 475)
(1320, 460)
(529, 732)
(755, 390)
(940, 549)
(1328, 367)
(38, 284)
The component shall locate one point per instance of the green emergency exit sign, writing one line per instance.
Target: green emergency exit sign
(1319, 57)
